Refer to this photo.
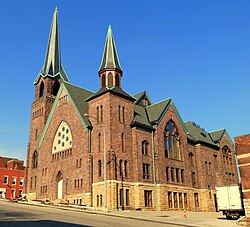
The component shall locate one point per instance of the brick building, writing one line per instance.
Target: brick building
(11, 178)
(242, 145)
(111, 150)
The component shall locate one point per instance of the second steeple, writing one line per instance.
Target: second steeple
(110, 71)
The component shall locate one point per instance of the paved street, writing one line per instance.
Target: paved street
(15, 214)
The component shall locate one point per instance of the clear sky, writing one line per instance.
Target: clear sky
(196, 52)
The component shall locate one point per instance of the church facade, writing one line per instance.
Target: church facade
(111, 150)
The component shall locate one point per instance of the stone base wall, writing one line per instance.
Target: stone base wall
(247, 207)
(170, 197)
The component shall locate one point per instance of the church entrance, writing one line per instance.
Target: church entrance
(59, 185)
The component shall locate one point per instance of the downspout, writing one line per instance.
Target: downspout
(90, 167)
(154, 172)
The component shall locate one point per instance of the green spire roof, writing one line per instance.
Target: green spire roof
(110, 57)
(52, 64)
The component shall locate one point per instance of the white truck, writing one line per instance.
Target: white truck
(230, 201)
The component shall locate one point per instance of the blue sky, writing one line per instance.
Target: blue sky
(196, 52)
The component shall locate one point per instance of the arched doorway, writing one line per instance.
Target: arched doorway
(59, 179)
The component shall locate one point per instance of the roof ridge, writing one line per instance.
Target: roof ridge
(66, 82)
(158, 102)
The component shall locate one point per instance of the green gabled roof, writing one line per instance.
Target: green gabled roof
(76, 96)
(218, 134)
(199, 135)
(52, 64)
(110, 58)
(141, 118)
(155, 111)
(115, 90)
(140, 96)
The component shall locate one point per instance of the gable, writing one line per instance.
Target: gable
(76, 96)
(157, 111)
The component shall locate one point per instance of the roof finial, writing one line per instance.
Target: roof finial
(110, 58)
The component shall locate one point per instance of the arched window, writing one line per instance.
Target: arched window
(55, 88)
(117, 80)
(144, 146)
(97, 114)
(120, 167)
(191, 159)
(99, 142)
(172, 141)
(101, 110)
(35, 160)
(119, 113)
(110, 80)
(227, 156)
(41, 91)
(99, 168)
(123, 114)
(123, 142)
(103, 80)
(125, 168)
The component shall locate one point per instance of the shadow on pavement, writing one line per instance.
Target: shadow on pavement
(37, 223)
(8, 215)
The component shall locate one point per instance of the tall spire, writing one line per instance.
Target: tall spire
(52, 64)
(110, 57)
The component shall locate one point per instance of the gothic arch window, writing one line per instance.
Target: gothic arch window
(99, 142)
(123, 142)
(101, 110)
(55, 88)
(110, 80)
(191, 159)
(97, 114)
(123, 114)
(41, 90)
(35, 160)
(59, 176)
(117, 80)
(144, 146)
(99, 168)
(63, 138)
(119, 113)
(172, 141)
(120, 167)
(125, 168)
(103, 80)
(227, 156)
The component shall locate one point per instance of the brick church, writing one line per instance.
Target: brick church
(112, 150)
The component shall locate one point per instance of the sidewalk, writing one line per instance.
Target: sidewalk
(194, 219)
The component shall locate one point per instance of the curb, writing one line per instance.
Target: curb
(107, 214)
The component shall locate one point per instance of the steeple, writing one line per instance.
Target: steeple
(110, 71)
(52, 64)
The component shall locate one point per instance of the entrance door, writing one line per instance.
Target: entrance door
(59, 189)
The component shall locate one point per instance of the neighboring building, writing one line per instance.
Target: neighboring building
(11, 178)
(111, 150)
(242, 145)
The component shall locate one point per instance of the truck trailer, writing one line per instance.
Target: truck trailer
(230, 200)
